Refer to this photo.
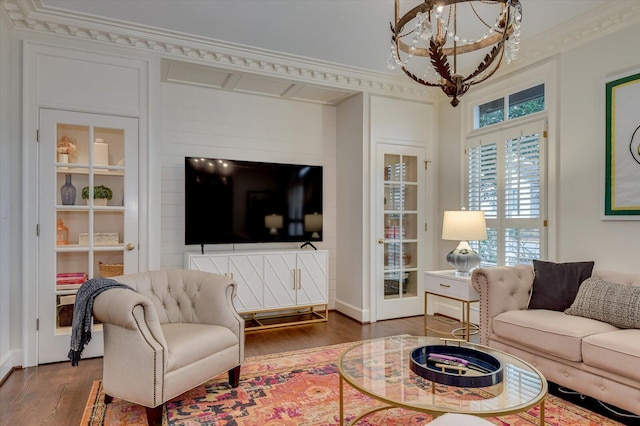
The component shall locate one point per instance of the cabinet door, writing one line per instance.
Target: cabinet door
(246, 271)
(217, 264)
(312, 278)
(82, 158)
(280, 280)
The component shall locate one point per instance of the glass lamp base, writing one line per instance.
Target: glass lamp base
(463, 258)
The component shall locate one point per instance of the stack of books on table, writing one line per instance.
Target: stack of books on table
(70, 280)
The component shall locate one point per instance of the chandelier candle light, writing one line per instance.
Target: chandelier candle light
(430, 30)
(464, 226)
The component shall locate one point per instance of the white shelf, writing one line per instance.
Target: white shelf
(83, 169)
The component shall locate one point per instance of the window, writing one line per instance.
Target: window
(518, 104)
(505, 180)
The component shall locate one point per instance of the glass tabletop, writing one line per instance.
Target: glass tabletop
(381, 369)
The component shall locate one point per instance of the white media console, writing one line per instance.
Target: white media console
(275, 288)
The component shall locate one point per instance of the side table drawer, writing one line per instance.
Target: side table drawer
(450, 287)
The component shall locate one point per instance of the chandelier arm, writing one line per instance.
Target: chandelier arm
(489, 74)
(439, 61)
(418, 79)
(498, 50)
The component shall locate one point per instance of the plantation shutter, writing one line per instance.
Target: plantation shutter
(505, 175)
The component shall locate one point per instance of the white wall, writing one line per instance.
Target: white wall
(210, 123)
(582, 235)
(351, 298)
(5, 201)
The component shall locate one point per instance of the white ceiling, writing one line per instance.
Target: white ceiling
(347, 33)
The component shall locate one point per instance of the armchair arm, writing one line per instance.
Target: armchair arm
(135, 350)
(501, 289)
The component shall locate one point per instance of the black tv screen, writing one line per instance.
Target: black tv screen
(228, 201)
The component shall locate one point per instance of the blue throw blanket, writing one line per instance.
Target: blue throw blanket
(83, 313)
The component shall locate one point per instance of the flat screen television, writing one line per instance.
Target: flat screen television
(228, 201)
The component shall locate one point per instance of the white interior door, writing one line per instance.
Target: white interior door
(400, 223)
(76, 232)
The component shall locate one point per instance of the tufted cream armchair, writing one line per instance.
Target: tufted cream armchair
(179, 330)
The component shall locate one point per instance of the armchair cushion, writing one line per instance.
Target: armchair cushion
(555, 285)
(189, 343)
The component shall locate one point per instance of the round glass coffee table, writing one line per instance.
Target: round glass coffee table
(380, 368)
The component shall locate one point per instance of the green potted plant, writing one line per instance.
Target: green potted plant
(101, 195)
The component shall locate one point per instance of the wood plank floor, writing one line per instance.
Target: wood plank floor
(55, 394)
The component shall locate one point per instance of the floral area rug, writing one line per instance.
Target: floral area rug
(299, 388)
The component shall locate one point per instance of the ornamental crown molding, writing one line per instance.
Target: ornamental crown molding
(614, 16)
(32, 15)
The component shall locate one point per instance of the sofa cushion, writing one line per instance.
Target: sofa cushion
(617, 304)
(188, 343)
(546, 331)
(555, 285)
(615, 351)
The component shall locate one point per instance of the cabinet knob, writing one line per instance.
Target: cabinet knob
(381, 241)
(130, 246)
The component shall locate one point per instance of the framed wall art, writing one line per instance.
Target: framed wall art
(622, 170)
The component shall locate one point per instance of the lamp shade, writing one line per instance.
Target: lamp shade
(464, 225)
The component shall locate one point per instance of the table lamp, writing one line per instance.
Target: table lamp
(464, 226)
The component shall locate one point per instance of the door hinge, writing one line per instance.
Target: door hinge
(37, 324)
(37, 229)
(426, 164)
(38, 135)
(544, 222)
(425, 227)
(545, 134)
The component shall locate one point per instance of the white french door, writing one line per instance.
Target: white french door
(81, 158)
(401, 238)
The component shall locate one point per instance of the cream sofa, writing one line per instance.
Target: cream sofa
(591, 357)
(176, 331)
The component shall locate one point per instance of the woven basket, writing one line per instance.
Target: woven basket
(110, 270)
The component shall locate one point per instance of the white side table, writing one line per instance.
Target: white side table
(454, 287)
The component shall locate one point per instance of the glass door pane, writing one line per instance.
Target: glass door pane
(400, 226)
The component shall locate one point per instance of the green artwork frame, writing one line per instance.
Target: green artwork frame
(622, 169)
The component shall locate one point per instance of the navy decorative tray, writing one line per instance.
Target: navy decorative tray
(456, 366)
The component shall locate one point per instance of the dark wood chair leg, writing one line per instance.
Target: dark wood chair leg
(234, 377)
(107, 399)
(154, 415)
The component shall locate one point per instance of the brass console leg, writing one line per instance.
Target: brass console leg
(542, 412)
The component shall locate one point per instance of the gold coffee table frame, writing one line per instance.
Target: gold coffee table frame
(380, 369)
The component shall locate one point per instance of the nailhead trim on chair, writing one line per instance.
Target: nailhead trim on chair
(155, 363)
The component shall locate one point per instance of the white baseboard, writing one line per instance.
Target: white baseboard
(8, 360)
(364, 316)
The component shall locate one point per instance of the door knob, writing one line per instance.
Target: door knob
(130, 246)
(381, 241)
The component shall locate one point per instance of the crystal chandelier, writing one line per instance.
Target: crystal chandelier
(430, 31)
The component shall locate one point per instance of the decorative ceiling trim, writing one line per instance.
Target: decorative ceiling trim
(612, 17)
(32, 15)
